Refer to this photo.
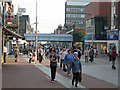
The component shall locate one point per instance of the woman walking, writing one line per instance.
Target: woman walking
(76, 69)
(68, 58)
(53, 65)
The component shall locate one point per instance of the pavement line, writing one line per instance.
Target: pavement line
(60, 78)
(47, 77)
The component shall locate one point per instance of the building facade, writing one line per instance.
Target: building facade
(24, 24)
(113, 33)
(74, 15)
(97, 22)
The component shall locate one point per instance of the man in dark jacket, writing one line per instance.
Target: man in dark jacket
(91, 54)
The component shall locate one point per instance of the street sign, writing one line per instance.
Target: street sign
(9, 16)
(21, 10)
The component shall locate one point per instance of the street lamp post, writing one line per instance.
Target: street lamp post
(36, 32)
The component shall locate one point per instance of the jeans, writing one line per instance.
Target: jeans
(68, 67)
(30, 60)
(62, 64)
(95, 55)
(91, 58)
(86, 58)
(75, 78)
(113, 63)
(53, 72)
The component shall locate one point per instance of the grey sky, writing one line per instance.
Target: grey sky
(51, 13)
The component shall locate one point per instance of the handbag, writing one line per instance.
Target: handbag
(80, 77)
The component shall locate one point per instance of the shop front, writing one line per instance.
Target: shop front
(100, 45)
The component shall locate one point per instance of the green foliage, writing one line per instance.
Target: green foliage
(78, 35)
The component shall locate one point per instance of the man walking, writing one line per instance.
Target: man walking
(113, 58)
(86, 53)
(5, 51)
(91, 54)
(62, 53)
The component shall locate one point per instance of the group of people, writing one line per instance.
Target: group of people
(36, 57)
(68, 62)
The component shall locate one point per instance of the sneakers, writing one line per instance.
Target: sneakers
(113, 67)
(76, 85)
(52, 81)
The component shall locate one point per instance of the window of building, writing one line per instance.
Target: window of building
(82, 15)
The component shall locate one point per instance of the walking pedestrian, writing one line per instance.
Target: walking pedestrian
(5, 51)
(113, 58)
(53, 65)
(95, 52)
(86, 54)
(62, 53)
(30, 56)
(67, 60)
(76, 69)
(40, 54)
(91, 54)
(16, 54)
(35, 56)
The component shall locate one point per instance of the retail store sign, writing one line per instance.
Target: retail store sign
(112, 35)
(9, 16)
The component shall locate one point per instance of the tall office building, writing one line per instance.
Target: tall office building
(75, 15)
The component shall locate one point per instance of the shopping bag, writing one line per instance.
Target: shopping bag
(32, 59)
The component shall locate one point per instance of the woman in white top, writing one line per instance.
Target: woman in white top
(35, 56)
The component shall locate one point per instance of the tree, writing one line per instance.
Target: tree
(78, 35)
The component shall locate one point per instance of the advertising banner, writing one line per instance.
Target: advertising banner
(112, 35)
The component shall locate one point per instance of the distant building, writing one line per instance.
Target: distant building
(60, 30)
(24, 24)
(74, 16)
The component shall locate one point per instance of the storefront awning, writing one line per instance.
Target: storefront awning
(12, 34)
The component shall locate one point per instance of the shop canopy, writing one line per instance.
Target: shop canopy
(11, 34)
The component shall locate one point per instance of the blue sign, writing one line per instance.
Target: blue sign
(112, 35)
(82, 39)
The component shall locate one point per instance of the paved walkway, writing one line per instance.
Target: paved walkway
(93, 77)
(25, 75)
